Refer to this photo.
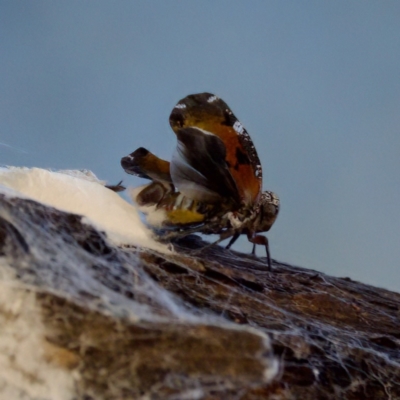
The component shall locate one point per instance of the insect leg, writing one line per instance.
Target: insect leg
(233, 240)
(174, 235)
(263, 240)
(225, 235)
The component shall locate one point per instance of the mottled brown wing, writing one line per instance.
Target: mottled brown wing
(199, 171)
(208, 112)
(146, 165)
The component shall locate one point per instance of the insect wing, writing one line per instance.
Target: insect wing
(146, 165)
(209, 113)
(199, 169)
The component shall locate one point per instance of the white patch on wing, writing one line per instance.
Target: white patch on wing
(180, 105)
(212, 99)
(203, 131)
(238, 127)
(188, 180)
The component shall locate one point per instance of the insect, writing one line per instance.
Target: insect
(213, 184)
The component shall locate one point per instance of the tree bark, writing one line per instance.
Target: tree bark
(194, 323)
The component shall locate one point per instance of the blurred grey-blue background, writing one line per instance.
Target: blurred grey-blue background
(316, 84)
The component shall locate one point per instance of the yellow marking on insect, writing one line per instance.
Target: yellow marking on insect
(184, 217)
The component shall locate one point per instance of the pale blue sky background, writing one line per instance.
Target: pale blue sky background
(316, 84)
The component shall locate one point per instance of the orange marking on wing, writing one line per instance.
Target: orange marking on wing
(155, 165)
(239, 164)
(243, 173)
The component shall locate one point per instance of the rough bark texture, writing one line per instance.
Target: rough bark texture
(112, 326)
